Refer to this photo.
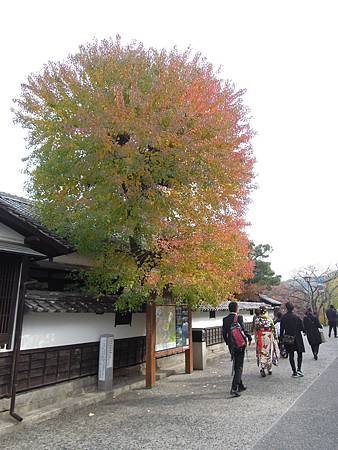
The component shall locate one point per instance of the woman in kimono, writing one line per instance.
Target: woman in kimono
(257, 314)
(266, 342)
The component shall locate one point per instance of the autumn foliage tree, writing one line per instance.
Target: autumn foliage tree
(143, 160)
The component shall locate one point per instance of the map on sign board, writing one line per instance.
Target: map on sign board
(165, 327)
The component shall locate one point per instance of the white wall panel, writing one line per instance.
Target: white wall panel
(54, 329)
(202, 320)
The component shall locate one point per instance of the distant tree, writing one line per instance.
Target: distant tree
(315, 288)
(143, 160)
(283, 293)
(263, 276)
(331, 292)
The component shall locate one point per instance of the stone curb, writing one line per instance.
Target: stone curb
(8, 424)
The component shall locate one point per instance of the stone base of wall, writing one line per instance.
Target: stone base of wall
(41, 397)
(45, 396)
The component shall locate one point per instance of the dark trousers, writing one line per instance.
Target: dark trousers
(333, 326)
(238, 361)
(315, 349)
(292, 360)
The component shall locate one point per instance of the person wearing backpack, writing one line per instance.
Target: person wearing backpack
(236, 339)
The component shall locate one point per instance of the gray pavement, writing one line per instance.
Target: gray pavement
(195, 412)
(311, 423)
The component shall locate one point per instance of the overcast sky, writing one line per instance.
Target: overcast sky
(283, 52)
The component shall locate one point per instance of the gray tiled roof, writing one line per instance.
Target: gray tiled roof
(67, 302)
(269, 300)
(24, 210)
(225, 306)
(20, 205)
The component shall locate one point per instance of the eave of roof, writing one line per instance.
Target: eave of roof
(67, 302)
(19, 249)
(269, 300)
(19, 214)
(51, 265)
(225, 306)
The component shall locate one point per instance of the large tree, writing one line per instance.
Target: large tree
(143, 160)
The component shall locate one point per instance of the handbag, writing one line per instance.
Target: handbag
(322, 335)
(288, 339)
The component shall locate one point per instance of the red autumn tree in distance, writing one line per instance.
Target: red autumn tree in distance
(143, 160)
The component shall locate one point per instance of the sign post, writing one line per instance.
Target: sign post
(189, 364)
(150, 345)
(106, 358)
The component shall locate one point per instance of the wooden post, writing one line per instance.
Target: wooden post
(150, 345)
(17, 337)
(189, 367)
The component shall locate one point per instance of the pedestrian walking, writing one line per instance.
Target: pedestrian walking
(232, 320)
(331, 314)
(311, 328)
(291, 327)
(266, 342)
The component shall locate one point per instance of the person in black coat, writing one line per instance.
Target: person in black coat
(291, 327)
(311, 328)
(331, 314)
(237, 356)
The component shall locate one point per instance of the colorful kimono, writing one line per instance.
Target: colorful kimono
(267, 351)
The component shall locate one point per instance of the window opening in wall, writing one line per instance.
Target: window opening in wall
(251, 312)
(123, 318)
(212, 314)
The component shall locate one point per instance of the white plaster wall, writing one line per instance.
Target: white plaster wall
(54, 329)
(201, 319)
(9, 235)
(247, 317)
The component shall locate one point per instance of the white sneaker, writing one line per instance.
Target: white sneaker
(300, 373)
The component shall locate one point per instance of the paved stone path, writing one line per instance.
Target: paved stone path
(311, 423)
(195, 412)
